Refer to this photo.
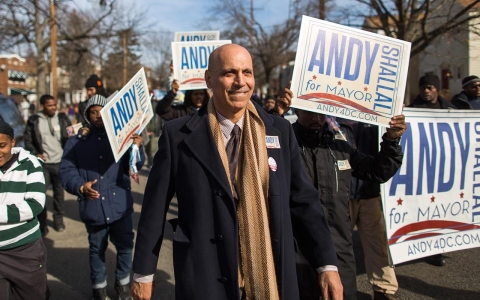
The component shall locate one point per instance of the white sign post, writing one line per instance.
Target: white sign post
(349, 73)
(432, 204)
(197, 36)
(127, 113)
(190, 61)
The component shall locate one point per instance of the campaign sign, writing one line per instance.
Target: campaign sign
(432, 204)
(197, 36)
(190, 61)
(349, 73)
(127, 113)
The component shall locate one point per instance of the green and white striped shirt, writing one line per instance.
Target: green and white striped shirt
(22, 198)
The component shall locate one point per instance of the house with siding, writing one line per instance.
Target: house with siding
(451, 56)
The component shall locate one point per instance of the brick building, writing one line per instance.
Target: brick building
(13, 76)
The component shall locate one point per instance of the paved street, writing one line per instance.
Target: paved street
(68, 269)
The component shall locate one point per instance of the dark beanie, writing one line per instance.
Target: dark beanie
(430, 80)
(469, 80)
(93, 81)
(94, 100)
(5, 128)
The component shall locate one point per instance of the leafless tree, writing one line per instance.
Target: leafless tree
(271, 46)
(157, 52)
(25, 23)
(420, 22)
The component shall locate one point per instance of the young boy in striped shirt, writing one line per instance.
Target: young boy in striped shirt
(23, 255)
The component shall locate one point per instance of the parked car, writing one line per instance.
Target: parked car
(10, 114)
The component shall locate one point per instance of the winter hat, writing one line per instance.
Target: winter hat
(430, 80)
(469, 80)
(93, 81)
(5, 128)
(94, 100)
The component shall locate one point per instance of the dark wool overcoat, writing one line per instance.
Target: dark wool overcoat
(205, 244)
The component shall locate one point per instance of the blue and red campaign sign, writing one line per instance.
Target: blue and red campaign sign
(432, 204)
(349, 73)
(190, 61)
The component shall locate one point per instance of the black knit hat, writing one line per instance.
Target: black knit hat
(430, 80)
(5, 128)
(469, 80)
(94, 100)
(93, 81)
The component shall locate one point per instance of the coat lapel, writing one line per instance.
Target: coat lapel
(201, 144)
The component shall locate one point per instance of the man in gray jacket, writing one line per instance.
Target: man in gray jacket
(45, 136)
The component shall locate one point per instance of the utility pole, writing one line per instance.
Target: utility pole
(125, 57)
(252, 24)
(53, 45)
(322, 10)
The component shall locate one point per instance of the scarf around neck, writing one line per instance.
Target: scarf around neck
(256, 267)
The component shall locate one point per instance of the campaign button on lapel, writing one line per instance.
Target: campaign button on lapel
(272, 164)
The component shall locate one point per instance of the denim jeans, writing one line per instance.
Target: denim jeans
(121, 235)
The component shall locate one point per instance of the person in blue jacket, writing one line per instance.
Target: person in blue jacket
(88, 170)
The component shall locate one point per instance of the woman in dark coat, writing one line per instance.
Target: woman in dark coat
(194, 99)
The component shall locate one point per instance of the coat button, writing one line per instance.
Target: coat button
(101, 157)
(103, 198)
(220, 193)
(99, 138)
(220, 237)
(222, 279)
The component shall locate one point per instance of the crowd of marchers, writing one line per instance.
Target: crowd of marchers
(260, 200)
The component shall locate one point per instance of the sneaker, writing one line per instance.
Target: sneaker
(100, 294)
(58, 224)
(123, 291)
(383, 296)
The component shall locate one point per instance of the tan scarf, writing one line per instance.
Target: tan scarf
(257, 267)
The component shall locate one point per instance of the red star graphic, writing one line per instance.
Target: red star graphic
(432, 200)
(399, 201)
(365, 89)
(339, 83)
(314, 77)
(461, 195)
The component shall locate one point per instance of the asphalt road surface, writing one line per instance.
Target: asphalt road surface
(68, 267)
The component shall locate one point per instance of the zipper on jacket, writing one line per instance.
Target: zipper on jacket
(335, 167)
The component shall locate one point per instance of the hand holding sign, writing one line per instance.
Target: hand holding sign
(137, 139)
(283, 101)
(397, 127)
(175, 87)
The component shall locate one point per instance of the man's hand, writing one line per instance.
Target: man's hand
(142, 291)
(397, 127)
(42, 156)
(89, 192)
(330, 285)
(137, 140)
(283, 101)
(175, 87)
